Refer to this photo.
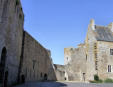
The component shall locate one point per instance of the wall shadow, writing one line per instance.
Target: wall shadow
(58, 84)
(42, 84)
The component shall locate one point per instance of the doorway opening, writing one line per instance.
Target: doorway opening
(22, 78)
(45, 76)
(6, 79)
(65, 78)
(84, 76)
(2, 65)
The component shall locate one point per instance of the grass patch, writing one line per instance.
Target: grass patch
(99, 81)
(108, 80)
(96, 79)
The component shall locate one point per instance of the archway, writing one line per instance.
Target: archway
(6, 79)
(22, 78)
(45, 76)
(2, 64)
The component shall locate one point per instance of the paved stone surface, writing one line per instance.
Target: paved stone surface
(63, 84)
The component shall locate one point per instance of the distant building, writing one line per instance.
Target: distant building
(22, 58)
(95, 56)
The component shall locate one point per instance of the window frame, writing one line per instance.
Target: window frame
(109, 68)
(111, 51)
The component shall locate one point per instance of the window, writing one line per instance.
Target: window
(111, 51)
(40, 74)
(109, 68)
(96, 66)
(67, 58)
(86, 57)
(17, 2)
(95, 46)
(34, 62)
(20, 16)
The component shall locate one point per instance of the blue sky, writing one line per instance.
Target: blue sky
(58, 24)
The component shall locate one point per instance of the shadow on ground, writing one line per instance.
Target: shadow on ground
(43, 84)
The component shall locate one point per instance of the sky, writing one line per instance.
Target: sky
(58, 24)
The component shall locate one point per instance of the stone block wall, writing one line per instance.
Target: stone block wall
(60, 72)
(76, 68)
(105, 59)
(37, 64)
(11, 30)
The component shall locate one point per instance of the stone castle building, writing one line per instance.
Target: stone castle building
(21, 56)
(94, 56)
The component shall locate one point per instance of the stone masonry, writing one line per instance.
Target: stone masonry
(11, 31)
(60, 72)
(95, 56)
(37, 62)
(22, 57)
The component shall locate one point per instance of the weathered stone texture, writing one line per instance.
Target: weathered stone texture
(11, 29)
(105, 59)
(36, 61)
(29, 58)
(76, 67)
(60, 72)
(92, 57)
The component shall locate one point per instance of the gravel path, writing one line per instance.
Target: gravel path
(63, 84)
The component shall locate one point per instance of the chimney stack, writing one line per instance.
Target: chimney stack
(92, 24)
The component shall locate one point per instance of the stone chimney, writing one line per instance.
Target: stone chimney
(92, 24)
(111, 26)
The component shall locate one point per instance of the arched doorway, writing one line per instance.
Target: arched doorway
(45, 76)
(22, 78)
(5, 79)
(2, 65)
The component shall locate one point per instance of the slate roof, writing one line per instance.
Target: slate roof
(103, 34)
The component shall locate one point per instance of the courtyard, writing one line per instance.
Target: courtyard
(63, 84)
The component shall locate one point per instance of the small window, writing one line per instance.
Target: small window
(95, 46)
(34, 62)
(86, 57)
(20, 16)
(17, 2)
(111, 51)
(96, 65)
(40, 74)
(67, 58)
(109, 68)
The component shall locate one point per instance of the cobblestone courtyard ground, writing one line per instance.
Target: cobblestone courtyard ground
(63, 84)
